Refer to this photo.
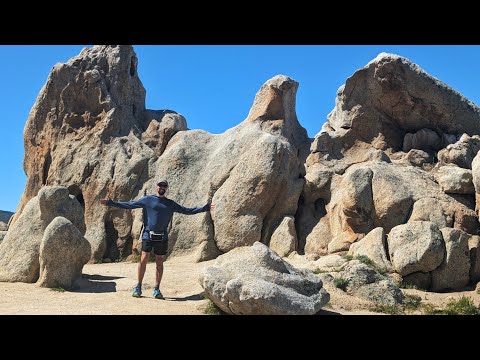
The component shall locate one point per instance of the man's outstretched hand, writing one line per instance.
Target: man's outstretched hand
(104, 201)
(212, 207)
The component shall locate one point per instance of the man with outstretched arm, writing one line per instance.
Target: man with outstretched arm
(158, 210)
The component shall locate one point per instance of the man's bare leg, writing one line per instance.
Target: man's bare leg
(159, 262)
(142, 266)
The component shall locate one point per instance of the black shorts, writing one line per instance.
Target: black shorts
(159, 247)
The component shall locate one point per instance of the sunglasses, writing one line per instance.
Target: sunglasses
(163, 186)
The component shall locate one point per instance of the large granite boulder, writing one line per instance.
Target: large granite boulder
(254, 280)
(20, 249)
(462, 152)
(453, 272)
(63, 252)
(369, 164)
(455, 180)
(284, 238)
(364, 282)
(373, 246)
(90, 132)
(253, 173)
(416, 246)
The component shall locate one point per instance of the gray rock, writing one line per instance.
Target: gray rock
(284, 238)
(63, 252)
(453, 273)
(474, 247)
(462, 152)
(366, 283)
(3, 226)
(455, 180)
(416, 246)
(19, 250)
(2, 235)
(355, 207)
(418, 157)
(254, 280)
(331, 262)
(419, 279)
(476, 173)
(431, 209)
(372, 246)
(423, 139)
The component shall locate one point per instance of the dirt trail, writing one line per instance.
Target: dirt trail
(105, 289)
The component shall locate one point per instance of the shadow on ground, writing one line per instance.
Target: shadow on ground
(101, 277)
(327, 312)
(96, 284)
(194, 297)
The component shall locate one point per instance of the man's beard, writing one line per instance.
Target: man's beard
(162, 191)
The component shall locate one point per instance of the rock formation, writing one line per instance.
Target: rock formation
(89, 131)
(393, 174)
(63, 252)
(20, 249)
(255, 281)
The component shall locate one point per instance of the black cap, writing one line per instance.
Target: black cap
(162, 182)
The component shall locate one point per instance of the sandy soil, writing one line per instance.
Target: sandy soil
(106, 289)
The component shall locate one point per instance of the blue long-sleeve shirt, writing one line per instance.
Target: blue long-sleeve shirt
(158, 211)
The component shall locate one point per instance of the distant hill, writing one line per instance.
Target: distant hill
(5, 216)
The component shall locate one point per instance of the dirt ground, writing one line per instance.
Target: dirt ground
(105, 289)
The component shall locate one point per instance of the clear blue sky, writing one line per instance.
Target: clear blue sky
(214, 86)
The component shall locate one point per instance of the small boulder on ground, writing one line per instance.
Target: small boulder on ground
(453, 273)
(362, 281)
(253, 280)
(416, 246)
(372, 246)
(63, 252)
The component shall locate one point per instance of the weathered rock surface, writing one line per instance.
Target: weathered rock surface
(284, 238)
(253, 173)
(373, 246)
(63, 252)
(419, 279)
(366, 283)
(2, 235)
(416, 246)
(89, 131)
(462, 152)
(254, 280)
(453, 273)
(390, 120)
(455, 180)
(20, 249)
(379, 194)
(474, 247)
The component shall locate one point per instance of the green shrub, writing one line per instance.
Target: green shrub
(412, 302)
(212, 309)
(462, 306)
(365, 260)
(58, 289)
(387, 309)
(341, 283)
